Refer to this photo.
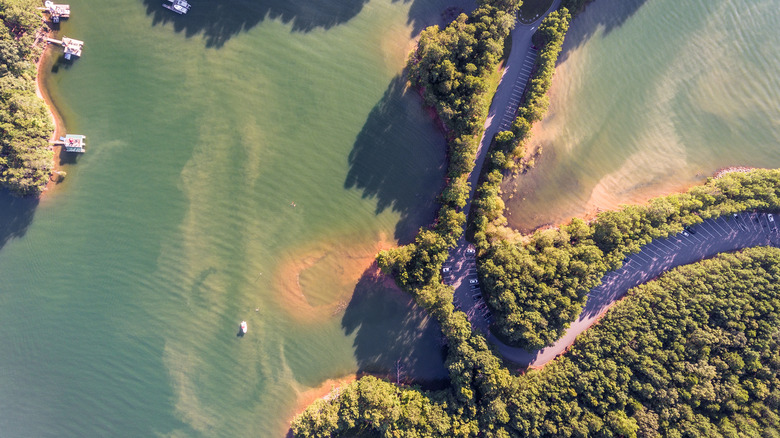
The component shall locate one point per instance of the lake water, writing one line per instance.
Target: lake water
(651, 97)
(245, 162)
(122, 290)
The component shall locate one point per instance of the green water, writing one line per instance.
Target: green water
(653, 96)
(122, 291)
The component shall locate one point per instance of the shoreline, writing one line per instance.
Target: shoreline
(590, 213)
(327, 390)
(56, 118)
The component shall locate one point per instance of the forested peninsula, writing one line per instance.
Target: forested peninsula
(695, 353)
(26, 159)
(692, 354)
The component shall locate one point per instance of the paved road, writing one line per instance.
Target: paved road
(502, 110)
(707, 239)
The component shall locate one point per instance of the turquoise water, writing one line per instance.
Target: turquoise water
(123, 288)
(653, 96)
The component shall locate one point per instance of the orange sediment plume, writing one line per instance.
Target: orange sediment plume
(339, 264)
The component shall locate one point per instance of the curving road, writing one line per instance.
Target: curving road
(705, 240)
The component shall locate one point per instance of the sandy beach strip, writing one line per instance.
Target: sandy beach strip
(56, 118)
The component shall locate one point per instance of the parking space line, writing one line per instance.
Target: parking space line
(717, 227)
(732, 223)
(644, 257)
(706, 231)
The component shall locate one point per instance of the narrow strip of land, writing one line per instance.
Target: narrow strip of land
(703, 241)
(461, 265)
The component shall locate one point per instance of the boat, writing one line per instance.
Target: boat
(243, 327)
(181, 7)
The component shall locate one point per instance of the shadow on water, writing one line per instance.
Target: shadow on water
(219, 21)
(603, 14)
(61, 62)
(387, 164)
(16, 214)
(393, 336)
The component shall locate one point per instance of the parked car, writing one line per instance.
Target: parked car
(445, 269)
(470, 251)
(473, 281)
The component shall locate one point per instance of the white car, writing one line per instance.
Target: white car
(473, 281)
(470, 251)
(771, 218)
(445, 270)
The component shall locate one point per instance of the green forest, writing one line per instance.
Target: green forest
(26, 159)
(537, 285)
(695, 353)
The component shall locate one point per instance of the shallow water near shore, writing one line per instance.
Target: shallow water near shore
(243, 163)
(651, 97)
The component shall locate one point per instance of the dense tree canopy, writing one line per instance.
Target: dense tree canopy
(25, 126)
(537, 287)
(451, 65)
(694, 354)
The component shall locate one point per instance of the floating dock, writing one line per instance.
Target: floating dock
(181, 7)
(73, 143)
(72, 47)
(56, 12)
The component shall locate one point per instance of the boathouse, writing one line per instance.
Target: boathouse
(56, 12)
(72, 47)
(74, 143)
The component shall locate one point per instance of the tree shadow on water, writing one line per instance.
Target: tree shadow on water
(392, 164)
(16, 214)
(602, 14)
(221, 20)
(393, 336)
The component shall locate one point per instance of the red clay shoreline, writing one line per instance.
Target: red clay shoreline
(56, 118)
(641, 198)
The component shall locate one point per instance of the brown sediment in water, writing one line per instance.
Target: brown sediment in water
(56, 118)
(342, 264)
(606, 194)
(326, 390)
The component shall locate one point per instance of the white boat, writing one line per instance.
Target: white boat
(181, 7)
(243, 327)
